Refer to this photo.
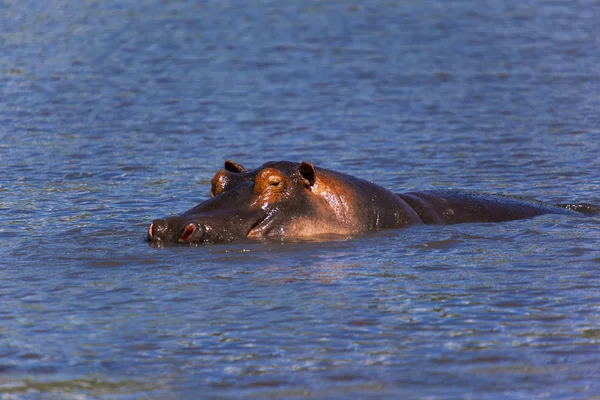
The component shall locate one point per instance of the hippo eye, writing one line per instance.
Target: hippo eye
(274, 180)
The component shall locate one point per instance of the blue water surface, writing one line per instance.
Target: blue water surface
(113, 113)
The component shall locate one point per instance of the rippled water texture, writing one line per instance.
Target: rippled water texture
(113, 113)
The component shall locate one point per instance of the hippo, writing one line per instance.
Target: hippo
(283, 199)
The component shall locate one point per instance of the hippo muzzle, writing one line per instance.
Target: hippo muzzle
(199, 229)
(174, 229)
(223, 218)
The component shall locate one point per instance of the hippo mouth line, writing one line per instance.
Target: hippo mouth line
(256, 225)
(192, 227)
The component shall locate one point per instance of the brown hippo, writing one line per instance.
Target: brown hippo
(289, 200)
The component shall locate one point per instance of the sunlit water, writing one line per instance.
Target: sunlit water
(113, 113)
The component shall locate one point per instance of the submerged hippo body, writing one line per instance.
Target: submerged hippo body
(286, 199)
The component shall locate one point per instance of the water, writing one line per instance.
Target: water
(114, 113)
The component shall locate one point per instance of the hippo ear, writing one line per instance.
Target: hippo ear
(232, 166)
(307, 172)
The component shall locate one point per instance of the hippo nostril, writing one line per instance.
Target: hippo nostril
(187, 232)
(157, 229)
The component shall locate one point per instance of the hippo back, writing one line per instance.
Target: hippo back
(454, 206)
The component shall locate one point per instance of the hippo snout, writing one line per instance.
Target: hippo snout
(172, 229)
(197, 229)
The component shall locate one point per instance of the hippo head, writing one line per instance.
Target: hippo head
(262, 202)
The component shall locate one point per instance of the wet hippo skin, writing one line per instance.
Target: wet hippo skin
(290, 200)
